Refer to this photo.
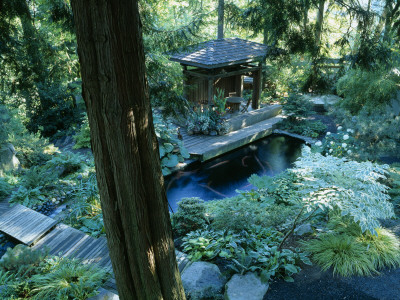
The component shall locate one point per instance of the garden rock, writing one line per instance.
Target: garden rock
(104, 295)
(244, 287)
(202, 280)
(8, 160)
(303, 229)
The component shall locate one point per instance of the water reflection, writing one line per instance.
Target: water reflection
(220, 177)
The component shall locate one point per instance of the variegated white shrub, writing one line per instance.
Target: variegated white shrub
(352, 187)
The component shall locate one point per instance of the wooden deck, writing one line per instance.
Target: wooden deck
(207, 147)
(41, 232)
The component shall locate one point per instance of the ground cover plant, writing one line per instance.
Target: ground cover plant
(33, 274)
(349, 251)
(374, 134)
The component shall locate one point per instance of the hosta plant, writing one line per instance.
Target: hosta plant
(171, 147)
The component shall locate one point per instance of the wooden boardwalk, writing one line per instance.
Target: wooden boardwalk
(24, 224)
(206, 147)
(41, 232)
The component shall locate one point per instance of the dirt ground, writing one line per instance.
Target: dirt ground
(313, 284)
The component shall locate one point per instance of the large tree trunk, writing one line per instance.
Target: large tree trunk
(133, 199)
(221, 19)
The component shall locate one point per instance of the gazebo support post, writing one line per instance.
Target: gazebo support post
(210, 90)
(257, 80)
(185, 82)
(239, 85)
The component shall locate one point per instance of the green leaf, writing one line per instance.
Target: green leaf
(291, 268)
(170, 161)
(166, 171)
(162, 151)
(168, 147)
(184, 153)
(288, 279)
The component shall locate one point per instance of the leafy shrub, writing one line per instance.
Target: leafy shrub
(171, 147)
(32, 150)
(38, 177)
(394, 184)
(66, 163)
(5, 188)
(220, 101)
(29, 197)
(22, 261)
(241, 213)
(206, 121)
(85, 212)
(164, 94)
(375, 134)
(82, 137)
(298, 109)
(369, 89)
(340, 144)
(66, 279)
(4, 120)
(282, 187)
(253, 250)
(351, 187)
(190, 215)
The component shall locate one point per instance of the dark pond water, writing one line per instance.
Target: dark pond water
(220, 177)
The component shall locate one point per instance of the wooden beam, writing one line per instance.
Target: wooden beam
(222, 75)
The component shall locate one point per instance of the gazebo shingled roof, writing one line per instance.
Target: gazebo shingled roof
(222, 52)
(221, 64)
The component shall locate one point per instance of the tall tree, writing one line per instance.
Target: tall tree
(319, 22)
(133, 198)
(221, 19)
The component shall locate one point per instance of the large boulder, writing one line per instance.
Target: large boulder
(202, 280)
(8, 160)
(245, 287)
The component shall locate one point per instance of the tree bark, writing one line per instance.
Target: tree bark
(125, 148)
(320, 21)
(221, 19)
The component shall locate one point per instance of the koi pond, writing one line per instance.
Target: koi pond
(220, 177)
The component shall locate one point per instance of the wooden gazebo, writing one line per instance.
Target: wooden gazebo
(221, 64)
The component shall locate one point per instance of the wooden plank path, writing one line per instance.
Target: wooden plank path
(24, 224)
(42, 232)
(207, 147)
